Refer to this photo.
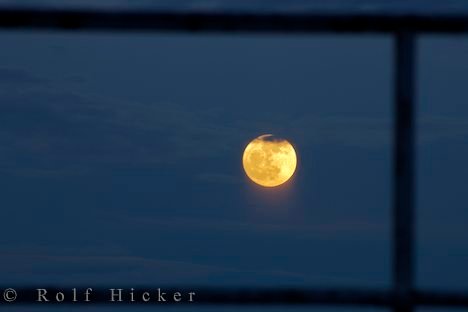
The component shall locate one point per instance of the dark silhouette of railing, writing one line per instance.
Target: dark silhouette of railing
(404, 28)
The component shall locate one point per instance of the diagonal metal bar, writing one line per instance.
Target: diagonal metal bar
(108, 20)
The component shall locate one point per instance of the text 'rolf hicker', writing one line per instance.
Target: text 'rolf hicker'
(113, 295)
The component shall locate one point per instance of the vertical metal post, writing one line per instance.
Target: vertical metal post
(403, 162)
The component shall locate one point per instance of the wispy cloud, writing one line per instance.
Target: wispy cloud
(58, 128)
(44, 266)
(218, 178)
(11, 76)
(339, 229)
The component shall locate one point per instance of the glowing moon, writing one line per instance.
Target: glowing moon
(269, 161)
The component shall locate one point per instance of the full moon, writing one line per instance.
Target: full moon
(269, 161)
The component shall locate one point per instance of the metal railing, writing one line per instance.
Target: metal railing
(404, 28)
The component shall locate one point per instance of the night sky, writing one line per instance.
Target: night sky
(120, 160)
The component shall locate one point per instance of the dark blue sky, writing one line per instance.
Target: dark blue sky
(120, 159)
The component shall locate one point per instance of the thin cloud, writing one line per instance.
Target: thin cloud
(322, 231)
(11, 77)
(218, 178)
(67, 131)
(46, 266)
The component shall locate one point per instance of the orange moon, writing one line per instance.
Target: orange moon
(269, 161)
